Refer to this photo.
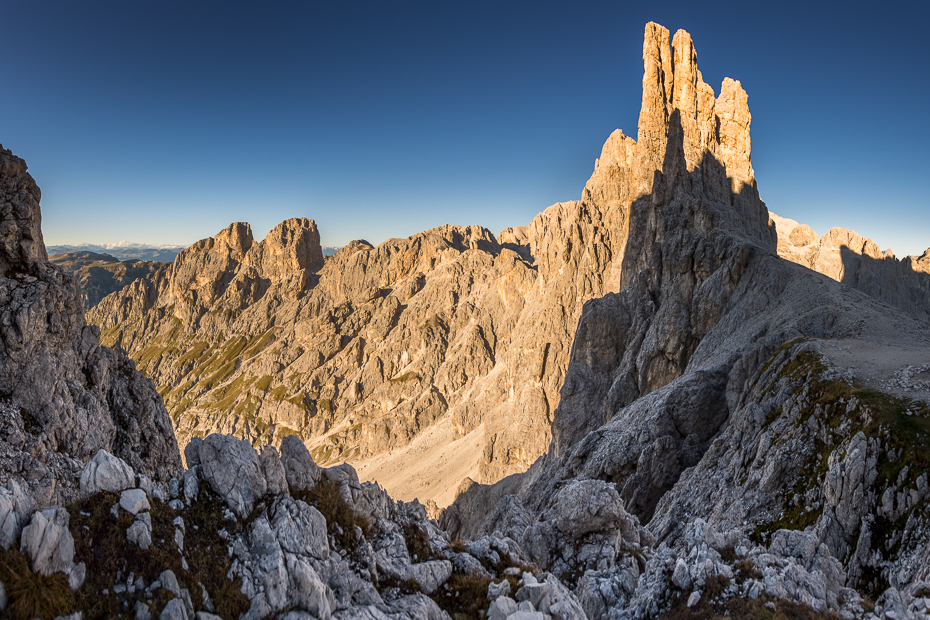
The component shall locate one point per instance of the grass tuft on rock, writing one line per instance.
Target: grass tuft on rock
(417, 543)
(464, 596)
(341, 519)
(32, 595)
(100, 542)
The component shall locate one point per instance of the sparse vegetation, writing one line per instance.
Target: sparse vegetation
(417, 543)
(100, 542)
(464, 596)
(761, 608)
(31, 595)
(341, 519)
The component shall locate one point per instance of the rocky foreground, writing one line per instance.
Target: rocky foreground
(736, 434)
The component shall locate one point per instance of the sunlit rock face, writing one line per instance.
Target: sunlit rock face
(731, 399)
(715, 426)
(848, 258)
(442, 357)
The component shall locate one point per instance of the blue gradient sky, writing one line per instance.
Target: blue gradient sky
(164, 122)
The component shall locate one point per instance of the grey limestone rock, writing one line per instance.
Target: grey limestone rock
(306, 591)
(299, 528)
(15, 508)
(299, 469)
(501, 608)
(48, 542)
(106, 472)
(140, 533)
(134, 501)
(233, 470)
(585, 506)
(274, 471)
(175, 610)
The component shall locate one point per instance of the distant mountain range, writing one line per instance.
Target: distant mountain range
(125, 250)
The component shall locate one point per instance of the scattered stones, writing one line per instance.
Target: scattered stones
(48, 542)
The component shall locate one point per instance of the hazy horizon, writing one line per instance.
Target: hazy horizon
(163, 123)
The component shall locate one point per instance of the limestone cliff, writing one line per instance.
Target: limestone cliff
(848, 258)
(443, 356)
(735, 402)
(63, 397)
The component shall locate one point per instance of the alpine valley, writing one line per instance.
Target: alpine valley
(659, 400)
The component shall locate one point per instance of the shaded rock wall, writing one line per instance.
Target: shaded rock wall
(65, 397)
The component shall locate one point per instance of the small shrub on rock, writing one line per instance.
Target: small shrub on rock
(341, 519)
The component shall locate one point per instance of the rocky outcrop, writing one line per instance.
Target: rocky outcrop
(63, 397)
(857, 262)
(101, 274)
(364, 353)
(457, 338)
(333, 548)
(736, 434)
(723, 394)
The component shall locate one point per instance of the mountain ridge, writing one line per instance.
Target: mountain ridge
(733, 434)
(517, 353)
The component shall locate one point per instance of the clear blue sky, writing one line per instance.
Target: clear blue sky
(161, 122)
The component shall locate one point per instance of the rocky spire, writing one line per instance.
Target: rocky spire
(21, 244)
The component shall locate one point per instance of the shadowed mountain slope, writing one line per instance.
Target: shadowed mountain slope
(102, 274)
(63, 397)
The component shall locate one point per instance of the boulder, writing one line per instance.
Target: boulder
(15, 508)
(48, 542)
(106, 472)
(300, 471)
(232, 469)
(134, 501)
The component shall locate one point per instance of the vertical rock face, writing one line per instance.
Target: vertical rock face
(21, 228)
(686, 181)
(377, 355)
(452, 330)
(723, 389)
(61, 392)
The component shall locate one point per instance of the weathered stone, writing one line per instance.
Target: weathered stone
(134, 501)
(502, 608)
(174, 610)
(106, 472)
(300, 470)
(232, 469)
(48, 542)
(273, 470)
(306, 590)
(300, 529)
(15, 508)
